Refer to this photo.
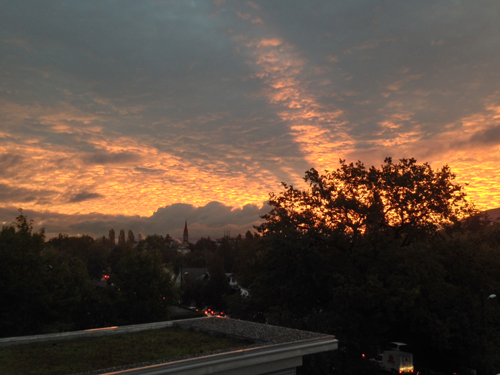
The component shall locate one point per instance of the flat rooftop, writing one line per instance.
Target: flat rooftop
(258, 348)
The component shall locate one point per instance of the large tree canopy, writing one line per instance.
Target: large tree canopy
(330, 260)
(402, 199)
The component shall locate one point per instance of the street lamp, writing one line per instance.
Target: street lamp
(482, 305)
(486, 370)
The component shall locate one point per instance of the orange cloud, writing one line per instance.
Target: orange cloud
(468, 146)
(119, 183)
(319, 131)
(121, 175)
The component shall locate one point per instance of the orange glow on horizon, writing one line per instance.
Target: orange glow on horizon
(81, 160)
(147, 179)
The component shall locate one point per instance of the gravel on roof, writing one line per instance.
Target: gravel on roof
(254, 332)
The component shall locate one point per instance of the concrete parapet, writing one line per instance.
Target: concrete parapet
(106, 331)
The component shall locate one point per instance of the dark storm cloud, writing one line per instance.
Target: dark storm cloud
(434, 58)
(112, 158)
(10, 193)
(165, 51)
(84, 196)
(488, 136)
(213, 215)
(211, 220)
(183, 56)
(169, 62)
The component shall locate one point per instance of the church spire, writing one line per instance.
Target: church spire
(185, 240)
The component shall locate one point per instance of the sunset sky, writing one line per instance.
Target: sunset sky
(142, 114)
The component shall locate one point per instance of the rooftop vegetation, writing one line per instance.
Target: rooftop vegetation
(60, 357)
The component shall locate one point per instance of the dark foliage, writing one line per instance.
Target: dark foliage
(376, 255)
(60, 285)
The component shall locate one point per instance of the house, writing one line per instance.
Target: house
(232, 280)
(191, 274)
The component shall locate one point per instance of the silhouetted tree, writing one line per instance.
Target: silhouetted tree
(366, 254)
(145, 290)
(130, 238)
(121, 238)
(111, 237)
(23, 309)
(205, 244)
(217, 287)
(404, 200)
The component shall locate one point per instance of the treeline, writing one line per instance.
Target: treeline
(73, 283)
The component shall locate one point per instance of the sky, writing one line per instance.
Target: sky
(143, 114)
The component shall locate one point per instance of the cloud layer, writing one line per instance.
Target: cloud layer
(211, 220)
(118, 108)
